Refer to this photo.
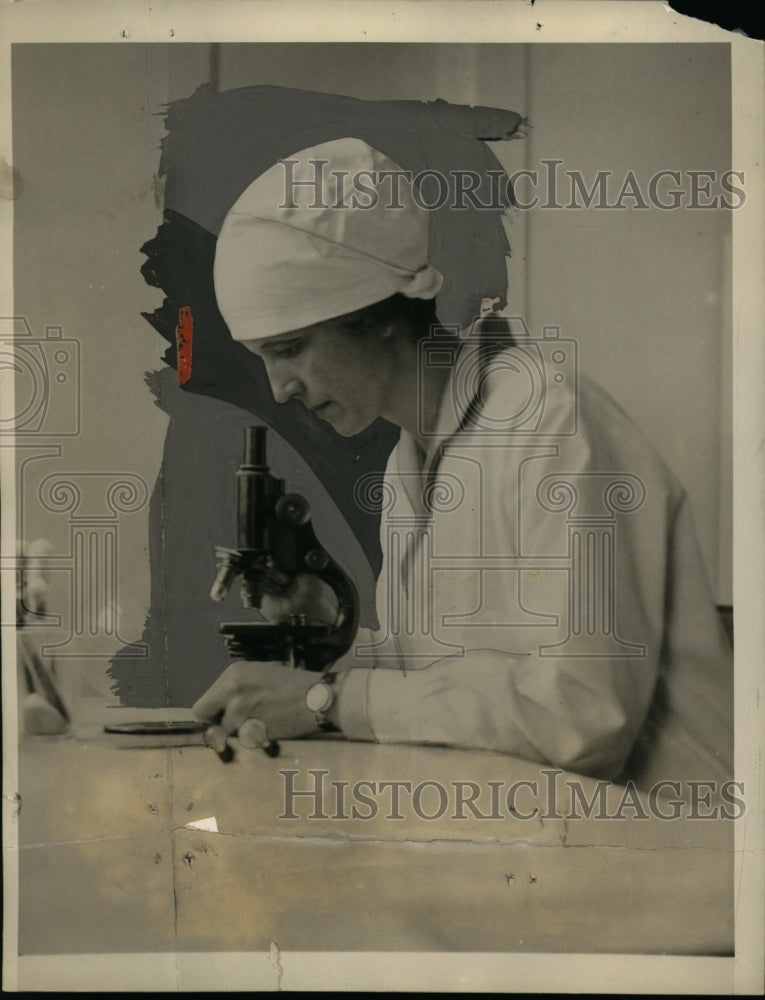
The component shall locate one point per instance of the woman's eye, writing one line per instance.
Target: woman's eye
(289, 351)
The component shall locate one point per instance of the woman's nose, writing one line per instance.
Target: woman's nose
(284, 386)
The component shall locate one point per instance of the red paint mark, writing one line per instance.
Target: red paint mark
(183, 335)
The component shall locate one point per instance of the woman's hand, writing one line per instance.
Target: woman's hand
(303, 594)
(271, 692)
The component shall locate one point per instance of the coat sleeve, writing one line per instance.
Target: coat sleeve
(580, 713)
(570, 716)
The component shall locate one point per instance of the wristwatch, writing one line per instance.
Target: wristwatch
(319, 698)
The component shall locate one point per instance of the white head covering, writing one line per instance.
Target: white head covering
(282, 264)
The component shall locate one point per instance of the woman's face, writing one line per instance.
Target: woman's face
(347, 377)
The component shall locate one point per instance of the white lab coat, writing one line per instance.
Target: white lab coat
(542, 591)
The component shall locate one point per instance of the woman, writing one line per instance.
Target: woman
(542, 592)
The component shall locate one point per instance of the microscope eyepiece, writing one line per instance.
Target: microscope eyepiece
(254, 446)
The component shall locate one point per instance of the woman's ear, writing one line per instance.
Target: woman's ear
(395, 327)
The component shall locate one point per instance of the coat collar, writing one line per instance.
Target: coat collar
(454, 407)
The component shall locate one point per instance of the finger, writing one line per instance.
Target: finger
(253, 733)
(275, 579)
(235, 713)
(214, 700)
(215, 737)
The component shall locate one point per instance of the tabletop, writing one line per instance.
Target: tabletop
(338, 846)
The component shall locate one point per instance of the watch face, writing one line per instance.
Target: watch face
(319, 697)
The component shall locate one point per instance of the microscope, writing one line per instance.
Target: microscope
(274, 532)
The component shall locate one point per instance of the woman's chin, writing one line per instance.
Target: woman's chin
(345, 424)
(345, 428)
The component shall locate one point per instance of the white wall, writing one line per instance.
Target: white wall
(644, 292)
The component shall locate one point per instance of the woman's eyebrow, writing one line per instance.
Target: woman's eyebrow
(259, 347)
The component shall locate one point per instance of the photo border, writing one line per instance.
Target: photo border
(474, 21)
